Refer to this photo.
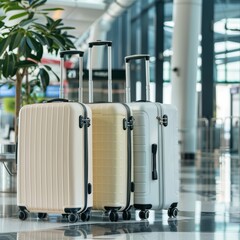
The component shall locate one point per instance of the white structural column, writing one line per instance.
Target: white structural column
(187, 23)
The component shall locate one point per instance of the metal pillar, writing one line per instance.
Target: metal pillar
(187, 21)
(159, 50)
(207, 70)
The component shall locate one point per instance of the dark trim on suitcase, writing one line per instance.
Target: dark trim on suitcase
(143, 207)
(130, 184)
(87, 185)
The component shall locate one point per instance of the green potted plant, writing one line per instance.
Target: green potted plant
(26, 32)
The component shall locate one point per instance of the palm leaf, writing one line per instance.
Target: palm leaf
(19, 15)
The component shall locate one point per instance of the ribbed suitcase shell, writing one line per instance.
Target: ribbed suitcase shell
(148, 130)
(112, 157)
(51, 158)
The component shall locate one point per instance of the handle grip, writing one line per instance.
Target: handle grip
(154, 164)
(137, 56)
(71, 52)
(56, 100)
(100, 43)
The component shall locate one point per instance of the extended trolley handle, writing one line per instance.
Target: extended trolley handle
(127, 67)
(109, 45)
(80, 54)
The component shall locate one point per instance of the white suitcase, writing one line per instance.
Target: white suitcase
(55, 158)
(156, 161)
(112, 150)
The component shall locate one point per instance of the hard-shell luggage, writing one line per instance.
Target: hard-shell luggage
(55, 157)
(112, 150)
(156, 162)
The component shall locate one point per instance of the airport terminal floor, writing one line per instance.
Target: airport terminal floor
(209, 208)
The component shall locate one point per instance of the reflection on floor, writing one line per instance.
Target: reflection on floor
(209, 209)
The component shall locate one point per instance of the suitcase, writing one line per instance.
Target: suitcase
(112, 150)
(156, 161)
(55, 157)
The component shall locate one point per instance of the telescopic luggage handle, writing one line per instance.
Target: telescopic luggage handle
(80, 73)
(109, 45)
(127, 69)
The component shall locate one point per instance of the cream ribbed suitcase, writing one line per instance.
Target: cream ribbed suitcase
(112, 150)
(156, 160)
(55, 158)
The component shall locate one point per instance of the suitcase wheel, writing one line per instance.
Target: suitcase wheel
(23, 215)
(113, 216)
(85, 216)
(42, 215)
(73, 217)
(126, 215)
(144, 214)
(173, 211)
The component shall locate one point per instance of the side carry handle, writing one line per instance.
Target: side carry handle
(80, 73)
(109, 45)
(154, 164)
(127, 69)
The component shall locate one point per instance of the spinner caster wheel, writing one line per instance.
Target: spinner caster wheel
(42, 215)
(172, 212)
(144, 214)
(85, 216)
(126, 215)
(22, 215)
(113, 216)
(73, 217)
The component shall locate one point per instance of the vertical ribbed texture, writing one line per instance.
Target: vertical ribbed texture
(44, 157)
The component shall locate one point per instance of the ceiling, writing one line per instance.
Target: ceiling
(80, 14)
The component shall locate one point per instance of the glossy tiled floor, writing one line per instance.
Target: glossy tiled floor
(209, 209)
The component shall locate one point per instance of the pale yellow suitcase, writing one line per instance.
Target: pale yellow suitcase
(112, 150)
(55, 159)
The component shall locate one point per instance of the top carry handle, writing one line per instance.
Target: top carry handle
(109, 45)
(127, 67)
(72, 52)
